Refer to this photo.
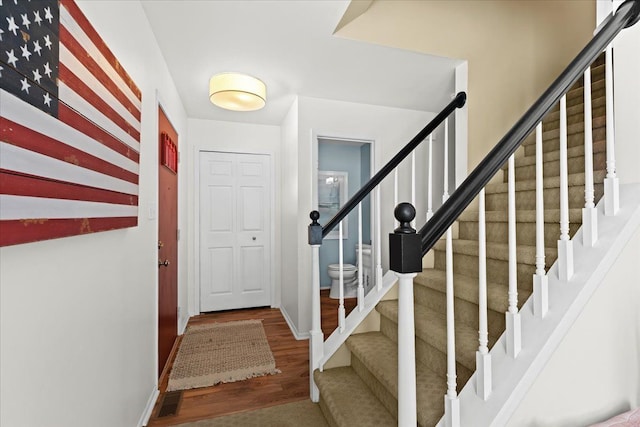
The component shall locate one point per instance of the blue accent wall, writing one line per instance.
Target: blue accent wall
(355, 160)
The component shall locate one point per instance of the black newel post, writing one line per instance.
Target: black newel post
(315, 229)
(405, 246)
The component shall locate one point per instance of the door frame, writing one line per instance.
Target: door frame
(274, 293)
(156, 215)
(314, 173)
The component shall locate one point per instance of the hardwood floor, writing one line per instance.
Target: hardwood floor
(291, 356)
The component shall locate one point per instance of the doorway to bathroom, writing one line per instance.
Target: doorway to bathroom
(344, 166)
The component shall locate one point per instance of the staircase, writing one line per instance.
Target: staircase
(366, 393)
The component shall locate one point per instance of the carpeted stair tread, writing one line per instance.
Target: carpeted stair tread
(431, 327)
(525, 254)
(466, 288)
(575, 122)
(497, 226)
(380, 356)
(575, 114)
(524, 215)
(552, 156)
(348, 400)
(552, 130)
(578, 92)
(577, 109)
(575, 179)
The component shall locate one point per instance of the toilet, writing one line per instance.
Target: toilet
(350, 280)
(350, 273)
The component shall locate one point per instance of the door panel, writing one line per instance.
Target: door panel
(222, 266)
(235, 215)
(167, 249)
(252, 278)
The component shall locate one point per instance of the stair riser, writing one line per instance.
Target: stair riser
(551, 140)
(552, 168)
(575, 129)
(465, 311)
(577, 109)
(554, 155)
(526, 199)
(498, 232)
(427, 354)
(376, 387)
(497, 270)
(573, 141)
(576, 96)
(575, 122)
(597, 73)
(327, 413)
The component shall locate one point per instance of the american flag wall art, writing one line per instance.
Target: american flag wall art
(69, 126)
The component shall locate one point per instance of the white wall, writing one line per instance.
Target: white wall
(627, 108)
(390, 128)
(211, 135)
(79, 314)
(290, 239)
(595, 372)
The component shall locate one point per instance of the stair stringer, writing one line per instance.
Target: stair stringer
(512, 378)
(353, 320)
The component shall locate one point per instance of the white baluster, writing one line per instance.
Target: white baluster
(316, 342)
(360, 265)
(407, 414)
(378, 249)
(611, 182)
(540, 279)
(341, 314)
(430, 186)
(514, 330)
(483, 358)
(589, 212)
(445, 195)
(565, 245)
(451, 401)
(413, 183)
(395, 194)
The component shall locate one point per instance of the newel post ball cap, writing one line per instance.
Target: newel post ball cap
(405, 213)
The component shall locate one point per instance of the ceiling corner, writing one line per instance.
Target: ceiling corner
(354, 9)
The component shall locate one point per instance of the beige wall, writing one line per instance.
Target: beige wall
(514, 49)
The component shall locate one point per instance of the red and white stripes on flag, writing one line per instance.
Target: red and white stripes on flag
(69, 146)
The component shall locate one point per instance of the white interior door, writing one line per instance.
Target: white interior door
(235, 221)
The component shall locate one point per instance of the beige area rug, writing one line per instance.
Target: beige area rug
(296, 414)
(221, 353)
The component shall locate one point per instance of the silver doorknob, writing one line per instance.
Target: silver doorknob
(164, 263)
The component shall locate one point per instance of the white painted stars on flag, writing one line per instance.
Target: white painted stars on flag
(29, 52)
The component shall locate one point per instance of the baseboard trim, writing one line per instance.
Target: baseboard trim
(299, 336)
(170, 359)
(182, 324)
(146, 414)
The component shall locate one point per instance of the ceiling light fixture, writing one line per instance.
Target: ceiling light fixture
(237, 92)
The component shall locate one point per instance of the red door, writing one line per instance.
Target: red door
(167, 239)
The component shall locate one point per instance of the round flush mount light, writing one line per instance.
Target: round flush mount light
(237, 92)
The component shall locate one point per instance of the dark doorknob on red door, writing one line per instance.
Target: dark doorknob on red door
(164, 263)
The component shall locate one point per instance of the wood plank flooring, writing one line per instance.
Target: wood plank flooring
(291, 356)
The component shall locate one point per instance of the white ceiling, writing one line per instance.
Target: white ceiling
(289, 45)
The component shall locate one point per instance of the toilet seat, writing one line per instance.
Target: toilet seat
(345, 267)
